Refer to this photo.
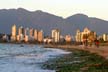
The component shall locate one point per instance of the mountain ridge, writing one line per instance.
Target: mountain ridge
(46, 21)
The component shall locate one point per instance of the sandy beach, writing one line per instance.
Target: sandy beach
(101, 50)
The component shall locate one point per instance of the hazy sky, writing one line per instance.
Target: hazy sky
(64, 8)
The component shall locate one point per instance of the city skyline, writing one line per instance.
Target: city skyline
(27, 35)
(63, 8)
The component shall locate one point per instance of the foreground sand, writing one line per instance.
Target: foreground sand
(102, 50)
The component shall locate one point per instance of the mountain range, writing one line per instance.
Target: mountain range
(46, 21)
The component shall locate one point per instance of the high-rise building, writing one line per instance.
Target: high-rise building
(26, 38)
(13, 37)
(78, 36)
(84, 34)
(21, 32)
(105, 37)
(56, 35)
(35, 34)
(26, 31)
(40, 36)
(31, 32)
(26, 34)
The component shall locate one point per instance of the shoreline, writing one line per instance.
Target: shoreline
(102, 50)
(80, 59)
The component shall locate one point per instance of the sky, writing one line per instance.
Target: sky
(63, 8)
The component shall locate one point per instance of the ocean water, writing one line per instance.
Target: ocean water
(14, 58)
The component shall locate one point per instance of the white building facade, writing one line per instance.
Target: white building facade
(56, 35)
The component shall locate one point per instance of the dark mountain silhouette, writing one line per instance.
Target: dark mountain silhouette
(47, 22)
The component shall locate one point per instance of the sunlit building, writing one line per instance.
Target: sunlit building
(56, 35)
(40, 36)
(13, 36)
(21, 32)
(78, 36)
(31, 32)
(26, 31)
(68, 38)
(26, 34)
(84, 34)
(35, 34)
(105, 37)
(26, 38)
(81, 36)
(18, 38)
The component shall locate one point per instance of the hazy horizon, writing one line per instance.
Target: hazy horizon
(63, 8)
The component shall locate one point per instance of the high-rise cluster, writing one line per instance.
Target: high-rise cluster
(26, 34)
(32, 35)
(22, 34)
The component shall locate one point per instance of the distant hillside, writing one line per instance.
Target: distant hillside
(47, 22)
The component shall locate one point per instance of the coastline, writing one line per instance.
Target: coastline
(101, 50)
(79, 59)
(90, 59)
